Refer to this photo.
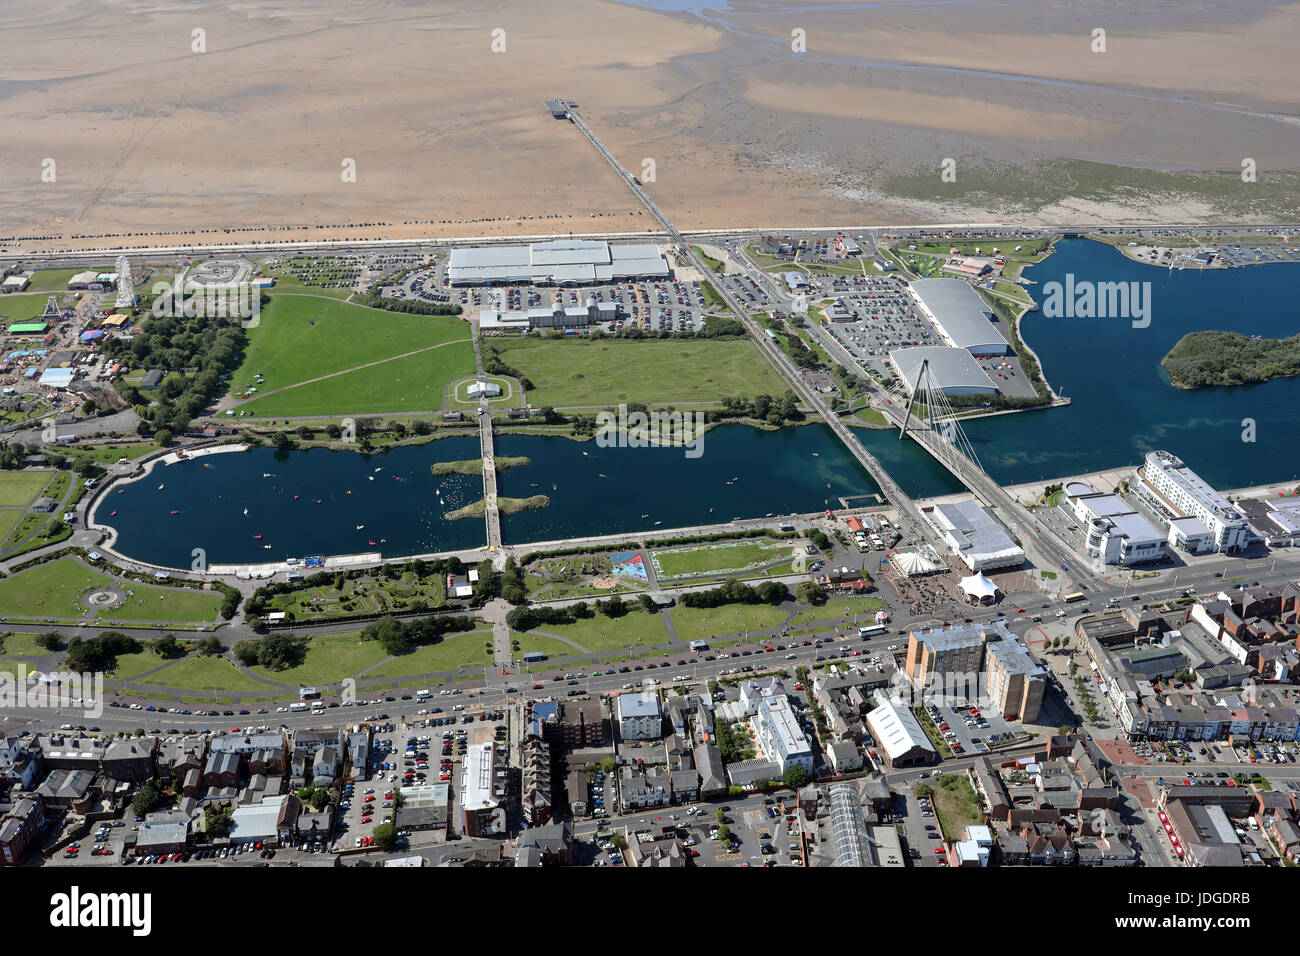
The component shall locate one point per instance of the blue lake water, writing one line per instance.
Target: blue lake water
(1123, 407)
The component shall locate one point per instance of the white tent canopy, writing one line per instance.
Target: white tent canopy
(917, 561)
(979, 587)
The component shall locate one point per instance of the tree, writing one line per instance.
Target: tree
(513, 588)
(320, 799)
(217, 820)
(168, 648)
(51, 641)
(278, 651)
(246, 652)
(721, 816)
(210, 645)
(148, 797)
(795, 776)
(925, 790)
(385, 836)
(390, 633)
(163, 436)
(724, 834)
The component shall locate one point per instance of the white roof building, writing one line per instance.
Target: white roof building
(975, 537)
(556, 262)
(955, 370)
(964, 319)
(1175, 491)
(898, 732)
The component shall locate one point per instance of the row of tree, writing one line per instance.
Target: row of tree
(738, 592)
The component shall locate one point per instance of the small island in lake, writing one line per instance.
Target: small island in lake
(507, 506)
(474, 466)
(1230, 358)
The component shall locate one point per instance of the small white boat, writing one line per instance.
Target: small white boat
(815, 455)
(377, 470)
(267, 474)
(371, 477)
(585, 455)
(245, 511)
(160, 487)
(360, 527)
(267, 546)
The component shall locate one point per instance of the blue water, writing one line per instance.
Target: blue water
(400, 517)
(779, 472)
(1123, 407)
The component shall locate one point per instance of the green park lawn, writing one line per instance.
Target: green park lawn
(169, 605)
(601, 372)
(20, 488)
(49, 590)
(206, 673)
(599, 633)
(131, 665)
(301, 338)
(702, 623)
(56, 280)
(530, 641)
(453, 653)
(9, 518)
(17, 644)
(839, 609)
(414, 383)
(329, 658)
(717, 558)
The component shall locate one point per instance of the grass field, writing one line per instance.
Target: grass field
(8, 519)
(52, 590)
(840, 609)
(56, 280)
(453, 653)
(329, 658)
(206, 673)
(25, 306)
(179, 605)
(601, 372)
(955, 804)
(108, 454)
(549, 646)
(701, 623)
(131, 665)
(599, 633)
(21, 645)
(716, 558)
(21, 487)
(49, 590)
(301, 338)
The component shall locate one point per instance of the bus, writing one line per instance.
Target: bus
(1073, 596)
(871, 630)
(423, 694)
(534, 657)
(298, 707)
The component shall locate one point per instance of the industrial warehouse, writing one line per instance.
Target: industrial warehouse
(961, 316)
(567, 262)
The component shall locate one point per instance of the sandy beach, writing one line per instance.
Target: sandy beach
(448, 136)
